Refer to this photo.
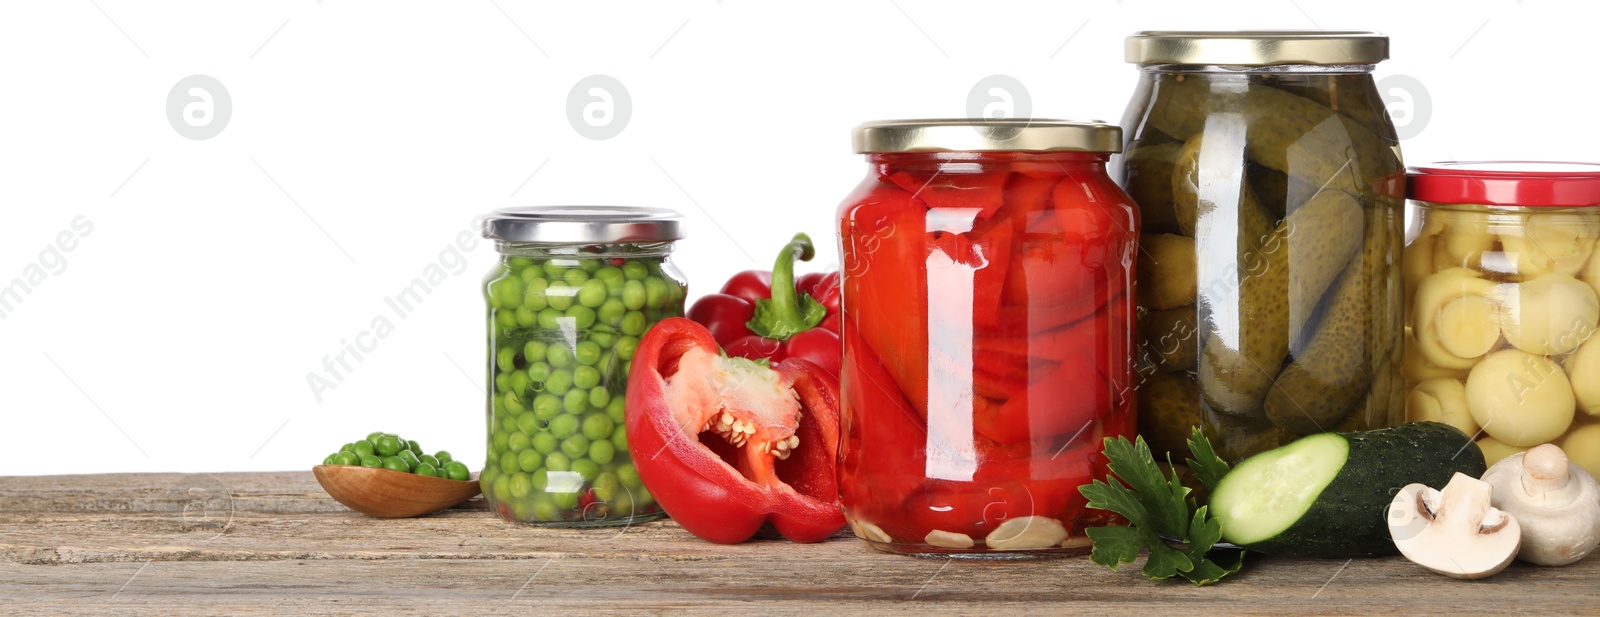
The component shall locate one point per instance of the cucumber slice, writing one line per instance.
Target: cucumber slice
(1326, 495)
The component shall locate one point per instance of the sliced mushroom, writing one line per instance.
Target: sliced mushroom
(1455, 532)
(1556, 502)
(1026, 532)
(948, 539)
(1455, 320)
(869, 532)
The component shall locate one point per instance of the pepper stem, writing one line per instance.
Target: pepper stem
(787, 312)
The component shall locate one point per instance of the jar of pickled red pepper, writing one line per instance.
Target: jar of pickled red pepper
(987, 324)
(574, 290)
(1268, 173)
(1502, 281)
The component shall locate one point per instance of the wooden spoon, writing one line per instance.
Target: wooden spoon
(385, 493)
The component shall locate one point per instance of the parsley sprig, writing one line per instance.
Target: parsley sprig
(1157, 505)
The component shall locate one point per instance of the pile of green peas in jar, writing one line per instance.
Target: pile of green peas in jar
(563, 328)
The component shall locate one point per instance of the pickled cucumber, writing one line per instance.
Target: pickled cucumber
(1148, 170)
(1166, 271)
(1169, 338)
(1275, 296)
(1217, 200)
(1169, 405)
(1287, 132)
(1331, 372)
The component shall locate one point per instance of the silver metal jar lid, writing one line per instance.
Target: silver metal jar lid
(1257, 47)
(982, 135)
(583, 225)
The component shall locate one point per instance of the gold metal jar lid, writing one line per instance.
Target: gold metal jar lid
(1257, 47)
(983, 135)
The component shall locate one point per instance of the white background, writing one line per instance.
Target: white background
(365, 136)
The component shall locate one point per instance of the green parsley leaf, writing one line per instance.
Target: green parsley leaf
(1156, 504)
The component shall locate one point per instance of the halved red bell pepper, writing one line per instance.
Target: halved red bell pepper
(771, 315)
(726, 444)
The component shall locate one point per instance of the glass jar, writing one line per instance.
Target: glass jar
(574, 290)
(1502, 285)
(1269, 177)
(987, 305)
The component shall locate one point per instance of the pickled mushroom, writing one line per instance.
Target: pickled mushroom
(1551, 242)
(1462, 236)
(1441, 400)
(1586, 389)
(1551, 314)
(1519, 398)
(1455, 322)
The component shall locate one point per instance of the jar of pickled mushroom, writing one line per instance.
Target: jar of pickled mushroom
(574, 290)
(987, 324)
(1502, 284)
(1269, 176)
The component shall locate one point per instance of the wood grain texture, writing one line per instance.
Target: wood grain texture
(275, 543)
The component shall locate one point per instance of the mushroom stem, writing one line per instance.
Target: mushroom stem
(1544, 470)
(1464, 506)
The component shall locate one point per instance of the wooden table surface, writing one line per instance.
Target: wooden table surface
(275, 543)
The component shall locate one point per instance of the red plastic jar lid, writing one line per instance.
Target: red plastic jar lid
(1507, 183)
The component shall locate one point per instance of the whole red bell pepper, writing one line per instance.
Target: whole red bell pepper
(727, 444)
(774, 316)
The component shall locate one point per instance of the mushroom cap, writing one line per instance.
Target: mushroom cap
(1454, 532)
(1555, 501)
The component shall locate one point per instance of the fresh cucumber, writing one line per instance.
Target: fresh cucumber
(1325, 495)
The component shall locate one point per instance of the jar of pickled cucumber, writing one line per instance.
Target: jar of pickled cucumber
(1502, 284)
(1269, 178)
(574, 290)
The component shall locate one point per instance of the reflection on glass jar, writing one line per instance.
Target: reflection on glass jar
(1269, 178)
(1502, 281)
(987, 331)
(575, 289)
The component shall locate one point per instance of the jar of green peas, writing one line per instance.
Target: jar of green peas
(574, 290)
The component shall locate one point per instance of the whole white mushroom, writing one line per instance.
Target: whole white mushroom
(1555, 500)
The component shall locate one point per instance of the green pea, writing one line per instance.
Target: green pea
(388, 446)
(538, 371)
(575, 278)
(409, 457)
(622, 504)
(559, 382)
(590, 265)
(545, 443)
(565, 501)
(534, 350)
(576, 401)
(655, 293)
(346, 458)
(534, 298)
(633, 324)
(615, 409)
(546, 406)
(556, 461)
(582, 316)
(502, 441)
(363, 448)
(611, 312)
(521, 485)
(560, 356)
(609, 275)
(526, 317)
(643, 499)
(603, 337)
(587, 353)
(541, 479)
(508, 422)
(519, 381)
(502, 382)
(529, 460)
(507, 291)
(428, 459)
(491, 473)
(634, 270)
(372, 460)
(457, 470)
(625, 347)
(564, 426)
(349, 447)
(629, 476)
(602, 451)
(413, 447)
(599, 397)
(508, 463)
(585, 377)
(426, 469)
(530, 423)
(592, 294)
(507, 318)
(502, 491)
(519, 442)
(586, 468)
(395, 463)
(331, 459)
(444, 458)
(518, 263)
(597, 426)
(633, 295)
(557, 267)
(372, 437)
(576, 446)
(506, 359)
(560, 295)
(514, 403)
(619, 440)
(550, 319)
(532, 273)
(607, 481)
